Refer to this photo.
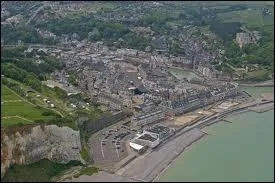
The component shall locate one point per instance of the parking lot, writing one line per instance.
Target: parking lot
(109, 145)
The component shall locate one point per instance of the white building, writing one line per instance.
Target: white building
(136, 147)
(147, 139)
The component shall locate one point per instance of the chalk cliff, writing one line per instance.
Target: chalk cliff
(27, 145)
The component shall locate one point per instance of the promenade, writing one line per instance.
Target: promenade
(148, 167)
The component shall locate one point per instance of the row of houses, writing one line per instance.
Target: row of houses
(147, 118)
(178, 107)
(113, 103)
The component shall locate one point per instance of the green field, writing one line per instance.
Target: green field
(18, 110)
(14, 121)
(257, 75)
(11, 110)
(47, 93)
(250, 17)
(7, 94)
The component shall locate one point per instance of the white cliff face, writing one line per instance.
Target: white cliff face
(59, 144)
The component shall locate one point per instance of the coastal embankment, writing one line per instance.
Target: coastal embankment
(261, 84)
(262, 108)
(151, 165)
(181, 140)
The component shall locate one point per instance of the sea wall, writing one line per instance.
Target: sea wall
(28, 144)
(147, 167)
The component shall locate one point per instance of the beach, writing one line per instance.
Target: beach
(239, 151)
(150, 166)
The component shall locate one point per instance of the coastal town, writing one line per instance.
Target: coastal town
(149, 105)
(161, 108)
(153, 102)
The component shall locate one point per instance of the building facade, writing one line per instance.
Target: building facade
(148, 118)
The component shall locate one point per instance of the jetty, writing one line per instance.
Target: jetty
(204, 132)
(225, 120)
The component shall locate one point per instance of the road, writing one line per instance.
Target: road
(36, 12)
(149, 166)
(264, 83)
(39, 46)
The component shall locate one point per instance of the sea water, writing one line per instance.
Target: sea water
(239, 151)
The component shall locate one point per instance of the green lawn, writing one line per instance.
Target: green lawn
(257, 76)
(13, 121)
(46, 93)
(23, 109)
(6, 94)
(18, 108)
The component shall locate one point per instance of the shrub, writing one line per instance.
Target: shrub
(40, 171)
(84, 154)
(88, 171)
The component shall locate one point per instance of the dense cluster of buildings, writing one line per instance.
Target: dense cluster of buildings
(148, 118)
(244, 38)
(201, 99)
(117, 78)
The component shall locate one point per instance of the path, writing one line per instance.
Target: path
(36, 12)
(34, 104)
(12, 101)
(17, 116)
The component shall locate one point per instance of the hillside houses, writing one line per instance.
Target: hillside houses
(247, 38)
